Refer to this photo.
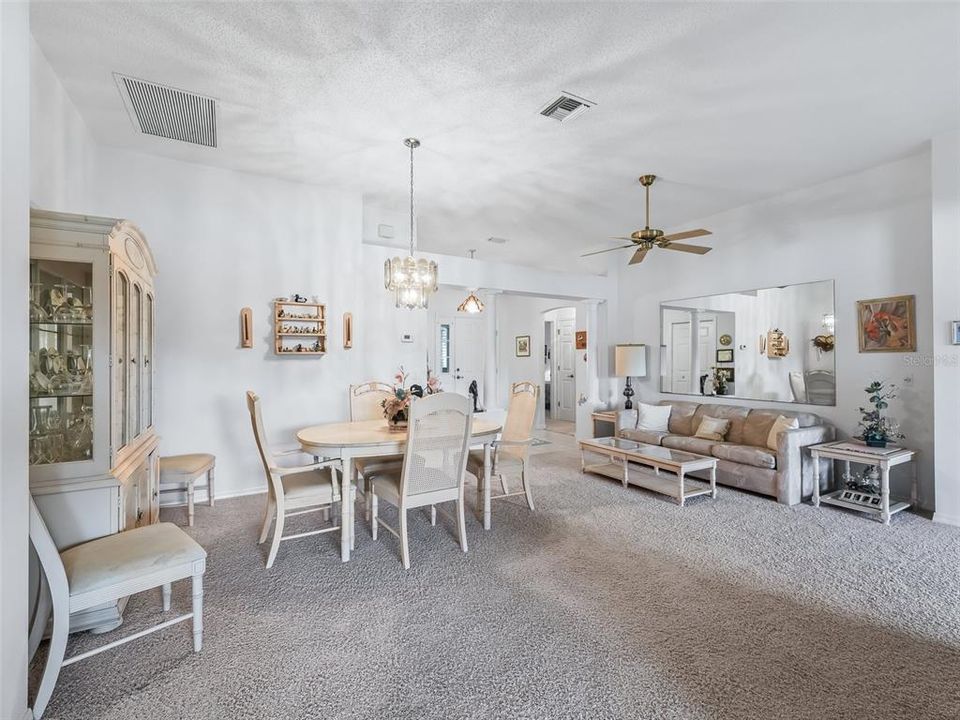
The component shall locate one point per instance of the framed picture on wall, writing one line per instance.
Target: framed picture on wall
(955, 332)
(523, 346)
(725, 355)
(887, 324)
(581, 339)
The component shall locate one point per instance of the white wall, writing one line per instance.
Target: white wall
(945, 357)
(14, 229)
(870, 232)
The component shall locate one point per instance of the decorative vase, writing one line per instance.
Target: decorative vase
(398, 423)
(877, 441)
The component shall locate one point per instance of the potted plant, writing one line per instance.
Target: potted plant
(395, 407)
(719, 381)
(876, 429)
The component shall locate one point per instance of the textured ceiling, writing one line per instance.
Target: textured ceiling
(727, 102)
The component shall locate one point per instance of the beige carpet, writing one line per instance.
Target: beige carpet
(605, 603)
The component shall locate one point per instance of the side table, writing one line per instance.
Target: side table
(882, 458)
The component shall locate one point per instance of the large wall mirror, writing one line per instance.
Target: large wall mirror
(769, 344)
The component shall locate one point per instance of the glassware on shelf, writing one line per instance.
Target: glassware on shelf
(37, 313)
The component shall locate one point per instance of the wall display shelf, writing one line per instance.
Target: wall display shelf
(93, 448)
(300, 328)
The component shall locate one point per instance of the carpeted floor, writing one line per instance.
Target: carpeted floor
(605, 603)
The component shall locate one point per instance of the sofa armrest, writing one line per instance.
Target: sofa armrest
(794, 466)
(627, 420)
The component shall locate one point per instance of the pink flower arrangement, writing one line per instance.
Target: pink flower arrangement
(395, 407)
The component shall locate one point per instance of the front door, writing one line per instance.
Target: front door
(566, 384)
(467, 355)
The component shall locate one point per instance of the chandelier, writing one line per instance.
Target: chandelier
(412, 280)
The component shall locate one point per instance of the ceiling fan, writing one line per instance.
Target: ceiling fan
(648, 238)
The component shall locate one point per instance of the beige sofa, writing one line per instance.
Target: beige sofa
(743, 458)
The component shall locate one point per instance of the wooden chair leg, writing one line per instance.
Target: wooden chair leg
(165, 591)
(433, 515)
(374, 516)
(503, 484)
(190, 502)
(197, 612)
(526, 488)
(404, 545)
(277, 534)
(210, 487)
(461, 525)
(267, 519)
(41, 616)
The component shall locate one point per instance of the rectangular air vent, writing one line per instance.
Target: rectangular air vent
(169, 113)
(566, 107)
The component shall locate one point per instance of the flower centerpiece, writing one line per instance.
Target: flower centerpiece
(876, 429)
(720, 381)
(396, 407)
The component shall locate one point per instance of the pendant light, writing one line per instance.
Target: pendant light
(413, 281)
(472, 304)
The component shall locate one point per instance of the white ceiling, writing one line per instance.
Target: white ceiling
(728, 103)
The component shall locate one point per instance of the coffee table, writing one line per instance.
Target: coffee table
(655, 468)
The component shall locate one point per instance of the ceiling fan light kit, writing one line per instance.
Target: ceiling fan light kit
(643, 241)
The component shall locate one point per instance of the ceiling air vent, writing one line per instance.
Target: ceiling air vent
(566, 107)
(169, 113)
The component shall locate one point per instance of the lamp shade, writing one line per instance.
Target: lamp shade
(630, 361)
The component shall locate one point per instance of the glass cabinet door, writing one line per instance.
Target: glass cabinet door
(147, 365)
(61, 362)
(136, 325)
(121, 355)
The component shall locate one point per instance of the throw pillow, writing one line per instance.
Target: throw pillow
(653, 417)
(779, 425)
(712, 428)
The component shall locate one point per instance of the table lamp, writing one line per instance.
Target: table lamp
(630, 362)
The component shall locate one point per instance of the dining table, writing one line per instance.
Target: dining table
(375, 438)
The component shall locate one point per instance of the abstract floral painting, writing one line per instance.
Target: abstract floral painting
(887, 324)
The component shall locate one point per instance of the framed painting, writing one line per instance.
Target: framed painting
(725, 355)
(523, 346)
(887, 324)
(581, 340)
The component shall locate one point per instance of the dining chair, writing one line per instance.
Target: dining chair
(432, 472)
(181, 472)
(366, 404)
(292, 490)
(511, 451)
(102, 571)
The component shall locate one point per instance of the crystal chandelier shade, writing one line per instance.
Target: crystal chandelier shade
(472, 304)
(413, 281)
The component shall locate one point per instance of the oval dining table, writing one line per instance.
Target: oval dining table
(372, 438)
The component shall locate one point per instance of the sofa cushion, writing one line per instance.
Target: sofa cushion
(653, 417)
(689, 444)
(779, 425)
(712, 428)
(756, 428)
(745, 455)
(736, 414)
(681, 416)
(652, 437)
(626, 419)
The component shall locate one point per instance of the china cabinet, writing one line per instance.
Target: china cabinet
(92, 441)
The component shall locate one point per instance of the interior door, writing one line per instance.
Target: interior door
(708, 348)
(565, 381)
(467, 355)
(680, 357)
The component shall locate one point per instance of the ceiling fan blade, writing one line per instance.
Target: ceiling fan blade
(698, 249)
(597, 252)
(638, 256)
(700, 232)
(622, 237)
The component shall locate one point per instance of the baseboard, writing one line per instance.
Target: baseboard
(939, 517)
(200, 498)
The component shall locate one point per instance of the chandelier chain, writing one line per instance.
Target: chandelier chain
(411, 198)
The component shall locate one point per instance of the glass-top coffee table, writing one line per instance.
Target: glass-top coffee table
(660, 469)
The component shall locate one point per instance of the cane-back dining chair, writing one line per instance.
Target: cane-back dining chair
(366, 403)
(292, 490)
(438, 439)
(103, 571)
(512, 450)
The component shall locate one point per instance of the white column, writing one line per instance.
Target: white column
(695, 371)
(491, 350)
(945, 190)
